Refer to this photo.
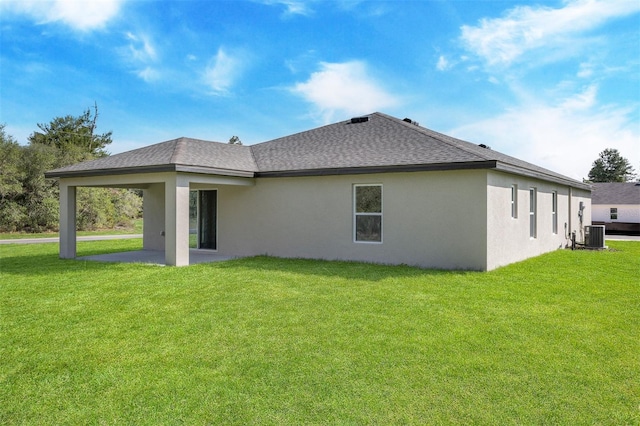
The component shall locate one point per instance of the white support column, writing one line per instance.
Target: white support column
(177, 221)
(67, 221)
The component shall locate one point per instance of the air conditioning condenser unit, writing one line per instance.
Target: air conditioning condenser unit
(594, 236)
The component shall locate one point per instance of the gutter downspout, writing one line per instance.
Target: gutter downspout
(570, 212)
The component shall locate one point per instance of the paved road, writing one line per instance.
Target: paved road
(81, 238)
(622, 237)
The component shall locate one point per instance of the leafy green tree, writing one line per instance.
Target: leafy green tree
(39, 195)
(234, 140)
(611, 167)
(12, 212)
(74, 137)
(29, 202)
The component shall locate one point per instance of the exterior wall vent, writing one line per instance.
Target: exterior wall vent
(594, 236)
(356, 120)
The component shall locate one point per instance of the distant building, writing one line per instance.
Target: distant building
(616, 206)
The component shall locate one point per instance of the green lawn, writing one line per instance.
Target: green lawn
(552, 340)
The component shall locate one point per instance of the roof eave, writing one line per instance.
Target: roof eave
(379, 169)
(148, 169)
(504, 167)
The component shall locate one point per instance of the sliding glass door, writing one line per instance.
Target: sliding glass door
(203, 223)
(207, 219)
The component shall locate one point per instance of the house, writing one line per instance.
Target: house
(617, 206)
(373, 188)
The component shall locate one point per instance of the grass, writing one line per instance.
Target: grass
(552, 340)
(136, 229)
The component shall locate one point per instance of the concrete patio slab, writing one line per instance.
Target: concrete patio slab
(155, 257)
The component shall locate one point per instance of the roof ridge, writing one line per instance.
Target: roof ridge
(486, 154)
(302, 132)
(449, 140)
(253, 158)
(178, 149)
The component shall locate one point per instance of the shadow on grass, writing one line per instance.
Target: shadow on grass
(47, 264)
(43, 259)
(331, 268)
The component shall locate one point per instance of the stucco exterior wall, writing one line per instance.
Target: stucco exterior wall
(576, 221)
(430, 219)
(438, 219)
(509, 238)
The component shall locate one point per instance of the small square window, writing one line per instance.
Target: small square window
(613, 213)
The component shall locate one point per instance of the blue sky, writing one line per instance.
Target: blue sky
(550, 82)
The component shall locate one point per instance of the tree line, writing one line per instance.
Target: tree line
(29, 202)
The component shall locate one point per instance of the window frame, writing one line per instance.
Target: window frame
(533, 213)
(356, 214)
(514, 201)
(554, 212)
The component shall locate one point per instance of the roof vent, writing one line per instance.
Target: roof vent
(356, 120)
(410, 121)
(484, 146)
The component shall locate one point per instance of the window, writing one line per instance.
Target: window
(514, 201)
(367, 207)
(613, 212)
(532, 213)
(554, 212)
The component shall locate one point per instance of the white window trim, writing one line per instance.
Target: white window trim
(554, 212)
(381, 214)
(514, 201)
(613, 211)
(533, 213)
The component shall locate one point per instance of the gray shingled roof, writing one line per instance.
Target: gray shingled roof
(380, 143)
(616, 193)
(182, 154)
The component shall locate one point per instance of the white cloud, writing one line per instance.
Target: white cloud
(80, 15)
(580, 101)
(140, 48)
(585, 71)
(141, 55)
(223, 71)
(502, 41)
(292, 7)
(565, 137)
(443, 64)
(344, 88)
(148, 74)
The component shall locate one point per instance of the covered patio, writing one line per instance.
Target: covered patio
(166, 213)
(171, 176)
